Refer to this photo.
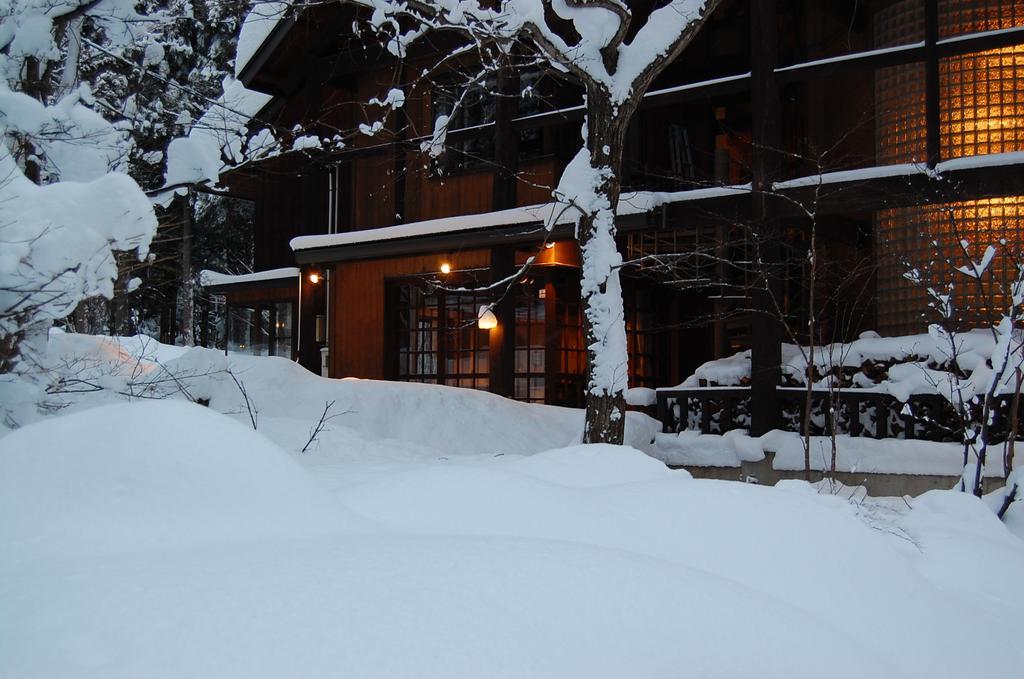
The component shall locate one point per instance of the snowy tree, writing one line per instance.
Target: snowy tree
(614, 60)
(162, 82)
(67, 205)
(971, 285)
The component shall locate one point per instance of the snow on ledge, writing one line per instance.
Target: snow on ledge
(210, 278)
(631, 203)
(988, 160)
(522, 215)
(855, 175)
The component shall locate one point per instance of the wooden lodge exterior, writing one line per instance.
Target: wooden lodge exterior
(853, 111)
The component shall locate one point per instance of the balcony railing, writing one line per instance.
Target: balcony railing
(930, 417)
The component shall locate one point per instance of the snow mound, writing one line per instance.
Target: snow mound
(151, 475)
(810, 552)
(586, 466)
(449, 420)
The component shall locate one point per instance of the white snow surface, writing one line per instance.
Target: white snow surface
(165, 539)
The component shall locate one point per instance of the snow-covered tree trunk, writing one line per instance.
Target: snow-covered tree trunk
(601, 291)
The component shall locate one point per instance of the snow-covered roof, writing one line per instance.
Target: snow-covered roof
(521, 215)
(213, 278)
(257, 27)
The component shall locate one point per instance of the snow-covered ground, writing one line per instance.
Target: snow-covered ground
(440, 532)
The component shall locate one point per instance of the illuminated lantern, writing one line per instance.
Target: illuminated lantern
(485, 319)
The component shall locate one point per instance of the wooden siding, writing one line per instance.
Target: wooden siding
(358, 314)
(373, 201)
(292, 202)
(434, 198)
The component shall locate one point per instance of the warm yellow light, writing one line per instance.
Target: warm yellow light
(314, 278)
(549, 245)
(446, 268)
(485, 318)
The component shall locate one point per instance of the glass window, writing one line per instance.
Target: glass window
(282, 330)
(530, 345)
(438, 338)
(465, 107)
(262, 333)
(263, 329)
(643, 336)
(240, 329)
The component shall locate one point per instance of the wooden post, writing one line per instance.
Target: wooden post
(506, 143)
(401, 122)
(502, 338)
(766, 139)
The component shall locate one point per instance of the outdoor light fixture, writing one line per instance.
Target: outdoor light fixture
(314, 278)
(485, 318)
(550, 244)
(446, 268)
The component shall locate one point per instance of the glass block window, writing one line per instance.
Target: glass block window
(899, 90)
(981, 112)
(921, 237)
(957, 17)
(982, 102)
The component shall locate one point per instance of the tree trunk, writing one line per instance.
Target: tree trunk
(187, 289)
(603, 315)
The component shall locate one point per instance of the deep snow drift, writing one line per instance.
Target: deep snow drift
(164, 539)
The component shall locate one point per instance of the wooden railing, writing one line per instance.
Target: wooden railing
(716, 410)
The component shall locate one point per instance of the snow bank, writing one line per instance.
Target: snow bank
(287, 400)
(447, 420)
(166, 540)
(151, 475)
(854, 454)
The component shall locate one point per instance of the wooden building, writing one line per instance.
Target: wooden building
(864, 117)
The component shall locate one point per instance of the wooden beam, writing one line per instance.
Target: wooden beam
(765, 369)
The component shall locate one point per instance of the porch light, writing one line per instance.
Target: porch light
(485, 318)
(314, 278)
(446, 268)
